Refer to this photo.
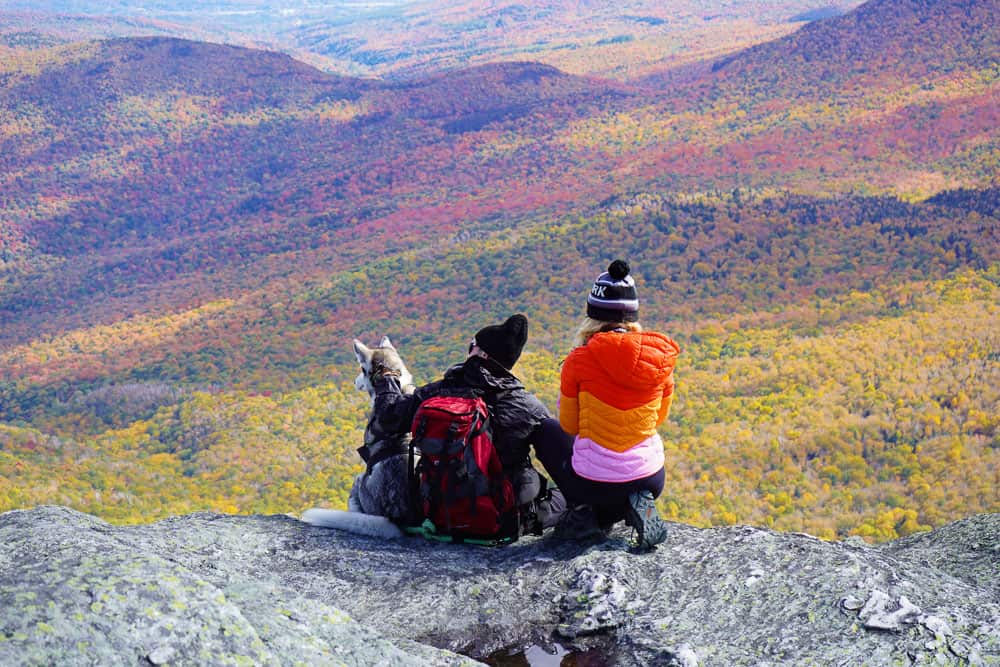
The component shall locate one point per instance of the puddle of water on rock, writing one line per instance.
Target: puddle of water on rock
(556, 656)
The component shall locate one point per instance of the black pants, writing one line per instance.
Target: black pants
(554, 450)
(535, 494)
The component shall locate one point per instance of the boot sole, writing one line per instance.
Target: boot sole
(645, 519)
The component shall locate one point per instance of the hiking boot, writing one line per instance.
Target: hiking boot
(642, 515)
(578, 523)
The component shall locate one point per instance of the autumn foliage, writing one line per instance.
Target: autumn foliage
(191, 234)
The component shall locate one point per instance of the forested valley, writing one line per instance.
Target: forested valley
(192, 233)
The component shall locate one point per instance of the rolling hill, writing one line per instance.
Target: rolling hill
(284, 154)
(192, 233)
(406, 40)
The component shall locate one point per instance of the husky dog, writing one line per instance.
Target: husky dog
(382, 358)
(379, 498)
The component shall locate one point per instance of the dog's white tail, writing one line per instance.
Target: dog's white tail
(353, 522)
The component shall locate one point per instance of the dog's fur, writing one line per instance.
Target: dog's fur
(353, 522)
(379, 496)
(383, 357)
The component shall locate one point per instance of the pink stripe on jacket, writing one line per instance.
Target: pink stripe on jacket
(600, 464)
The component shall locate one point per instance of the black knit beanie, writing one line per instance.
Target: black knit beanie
(613, 297)
(504, 342)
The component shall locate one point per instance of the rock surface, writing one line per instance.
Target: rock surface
(269, 590)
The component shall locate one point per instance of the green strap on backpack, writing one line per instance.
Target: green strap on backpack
(428, 531)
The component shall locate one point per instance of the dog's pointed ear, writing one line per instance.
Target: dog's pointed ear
(362, 352)
(386, 343)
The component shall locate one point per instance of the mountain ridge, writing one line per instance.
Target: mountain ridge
(408, 40)
(880, 35)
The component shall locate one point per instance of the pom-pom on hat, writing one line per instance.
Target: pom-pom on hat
(504, 342)
(613, 297)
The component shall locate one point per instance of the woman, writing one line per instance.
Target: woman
(616, 388)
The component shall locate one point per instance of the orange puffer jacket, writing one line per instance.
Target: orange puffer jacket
(614, 393)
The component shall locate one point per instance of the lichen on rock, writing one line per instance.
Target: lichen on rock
(270, 590)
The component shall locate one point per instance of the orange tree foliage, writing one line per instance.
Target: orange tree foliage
(868, 414)
(877, 427)
(622, 40)
(190, 235)
(229, 452)
(137, 167)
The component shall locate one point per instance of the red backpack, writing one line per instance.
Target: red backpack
(459, 483)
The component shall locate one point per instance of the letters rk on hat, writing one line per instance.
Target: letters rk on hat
(613, 297)
(504, 342)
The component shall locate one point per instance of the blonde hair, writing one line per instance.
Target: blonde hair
(589, 326)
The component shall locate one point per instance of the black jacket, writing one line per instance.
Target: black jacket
(515, 413)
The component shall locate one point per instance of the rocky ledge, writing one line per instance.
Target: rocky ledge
(270, 590)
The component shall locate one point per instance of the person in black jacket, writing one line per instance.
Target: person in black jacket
(515, 413)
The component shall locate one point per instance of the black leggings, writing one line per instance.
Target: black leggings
(554, 449)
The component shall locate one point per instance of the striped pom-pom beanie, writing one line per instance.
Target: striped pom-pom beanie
(613, 297)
